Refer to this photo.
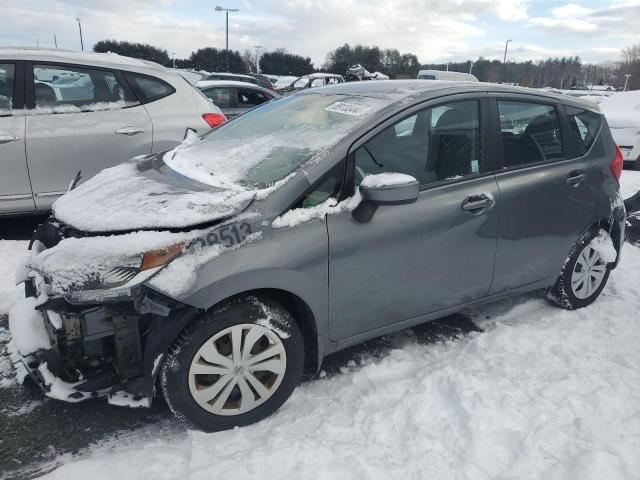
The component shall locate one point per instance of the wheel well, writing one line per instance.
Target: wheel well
(303, 316)
(611, 226)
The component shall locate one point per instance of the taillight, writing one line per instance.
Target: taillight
(616, 164)
(214, 119)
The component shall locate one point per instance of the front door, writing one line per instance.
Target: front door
(546, 199)
(84, 120)
(15, 189)
(415, 259)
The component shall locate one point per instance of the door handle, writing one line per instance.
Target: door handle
(576, 178)
(129, 131)
(7, 138)
(477, 203)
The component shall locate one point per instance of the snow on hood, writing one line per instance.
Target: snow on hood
(133, 196)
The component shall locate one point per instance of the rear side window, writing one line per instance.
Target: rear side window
(584, 125)
(7, 75)
(530, 133)
(250, 98)
(64, 87)
(147, 88)
(221, 97)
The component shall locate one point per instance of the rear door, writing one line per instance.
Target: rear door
(15, 189)
(415, 259)
(546, 198)
(85, 119)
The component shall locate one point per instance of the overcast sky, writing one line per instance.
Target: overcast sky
(445, 30)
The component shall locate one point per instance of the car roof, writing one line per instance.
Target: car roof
(227, 83)
(404, 91)
(228, 74)
(108, 60)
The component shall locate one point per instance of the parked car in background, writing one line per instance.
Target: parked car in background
(444, 75)
(622, 110)
(261, 81)
(65, 112)
(313, 80)
(235, 98)
(226, 269)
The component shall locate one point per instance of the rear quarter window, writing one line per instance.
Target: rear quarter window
(584, 126)
(148, 88)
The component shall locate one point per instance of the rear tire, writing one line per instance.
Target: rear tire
(234, 366)
(583, 276)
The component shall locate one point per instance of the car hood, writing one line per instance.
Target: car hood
(147, 195)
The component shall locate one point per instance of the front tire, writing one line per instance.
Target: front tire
(234, 365)
(583, 275)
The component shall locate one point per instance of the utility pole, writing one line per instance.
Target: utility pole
(626, 81)
(173, 57)
(504, 61)
(470, 66)
(55, 40)
(226, 51)
(80, 30)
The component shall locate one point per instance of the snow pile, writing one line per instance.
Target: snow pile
(542, 393)
(603, 244)
(386, 179)
(622, 111)
(122, 197)
(330, 206)
(629, 183)
(27, 327)
(58, 389)
(11, 254)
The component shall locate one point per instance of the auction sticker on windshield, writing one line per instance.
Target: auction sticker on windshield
(347, 108)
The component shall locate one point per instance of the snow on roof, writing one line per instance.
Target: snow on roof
(225, 83)
(321, 75)
(90, 58)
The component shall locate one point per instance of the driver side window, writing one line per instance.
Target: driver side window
(435, 144)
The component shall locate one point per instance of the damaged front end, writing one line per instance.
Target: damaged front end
(92, 343)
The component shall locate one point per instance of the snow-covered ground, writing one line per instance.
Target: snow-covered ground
(540, 393)
(11, 251)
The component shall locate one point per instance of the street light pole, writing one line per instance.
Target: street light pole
(504, 61)
(173, 57)
(80, 29)
(626, 81)
(226, 11)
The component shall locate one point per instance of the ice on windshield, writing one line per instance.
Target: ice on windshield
(267, 144)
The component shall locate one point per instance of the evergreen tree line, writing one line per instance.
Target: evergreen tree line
(565, 72)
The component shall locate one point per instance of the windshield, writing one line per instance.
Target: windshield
(265, 145)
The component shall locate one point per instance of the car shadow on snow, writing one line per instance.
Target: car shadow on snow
(37, 433)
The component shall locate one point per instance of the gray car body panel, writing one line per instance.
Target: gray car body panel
(348, 274)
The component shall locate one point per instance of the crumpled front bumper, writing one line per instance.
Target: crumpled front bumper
(71, 352)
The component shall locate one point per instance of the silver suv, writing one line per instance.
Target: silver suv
(227, 268)
(64, 112)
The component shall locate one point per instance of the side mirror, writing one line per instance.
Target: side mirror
(389, 189)
(385, 189)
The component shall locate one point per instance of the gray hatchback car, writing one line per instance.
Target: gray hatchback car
(224, 270)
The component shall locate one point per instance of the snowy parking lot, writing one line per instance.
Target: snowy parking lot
(535, 392)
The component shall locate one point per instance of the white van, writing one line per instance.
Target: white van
(444, 75)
